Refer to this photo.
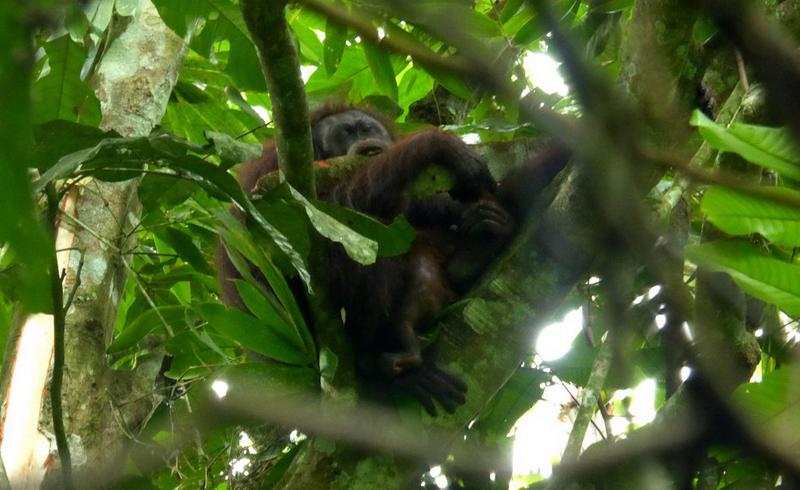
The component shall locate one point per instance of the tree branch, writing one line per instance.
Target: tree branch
(276, 51)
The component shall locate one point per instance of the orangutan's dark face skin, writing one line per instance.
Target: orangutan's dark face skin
(351, 132)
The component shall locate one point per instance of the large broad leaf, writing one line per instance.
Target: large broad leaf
(392, 240)
(230, 150)
(192, 353)
(773, 406)
(55, 139)
(414, 85)
(381, 67)
(510, 9)
(738, 213)
(254, 334)
(359, 233)
(766, 278)
(61, 94)
(771, 148)
(352, 67)
(335, 39)
(311, 49)
(221, 20)
(192, 120)
(358, 247)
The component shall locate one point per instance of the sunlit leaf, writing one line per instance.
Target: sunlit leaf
(220, 20)
(738, 213)
(773, 406)
(61, 94)
(381, 67)
(771, 148)
(510, 9)
(771, 280)
(333, 48)
(392, 240)
(230, 150)
(358, 247)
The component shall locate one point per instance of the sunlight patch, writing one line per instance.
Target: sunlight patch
(220, 388)
(306, 71)
(471, 138)
(556, 339)
(542, 72)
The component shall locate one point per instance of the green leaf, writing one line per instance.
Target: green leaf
(126, 8)
(184, 246)
(230, 150)
(610, 6)
(149, 320)
(192, 353)
(328, 365)
(201, 100)
(253, 334)
(453, 83)
(220, 20)
(333, 48)
(128, 155)
(238, 241)
(353, 70)
(268, 312)
(771, 148)
(516, 397)
(381, 67)
(415, 84)
(358, 247)
(392, 240)
(470, 20)
(766, 278)
(773, 406)
(510, 9)
(164, 190)
(704, 29)
(311, 48)
(99, 13)
(531, 31)
(55, 139)
(738, 213)
(61, 94)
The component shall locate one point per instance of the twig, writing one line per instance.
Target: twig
(57, 293)
(405, 45)
(77, 284)
(724, 179)
(594, 384)
(742, 72)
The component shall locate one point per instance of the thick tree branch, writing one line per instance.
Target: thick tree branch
(276, 51)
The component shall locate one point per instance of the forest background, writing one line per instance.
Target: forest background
(665, 252)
